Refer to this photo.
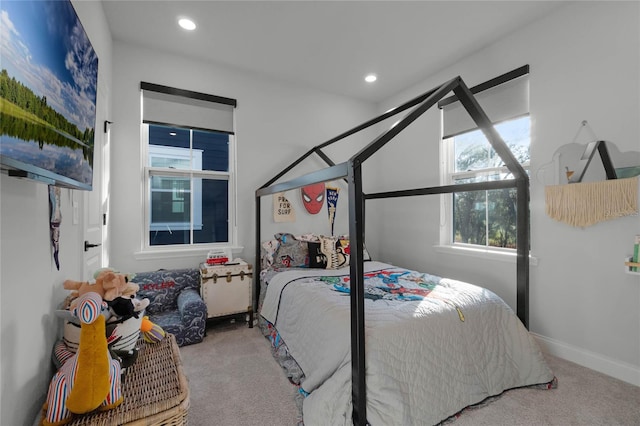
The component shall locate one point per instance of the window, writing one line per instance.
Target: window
(484, 218)
(189, 178)
(168, 194)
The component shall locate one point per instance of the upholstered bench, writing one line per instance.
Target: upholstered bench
(175, 302)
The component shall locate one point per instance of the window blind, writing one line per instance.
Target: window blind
(502, 98)
(184, 108)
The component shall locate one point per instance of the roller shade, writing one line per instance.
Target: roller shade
(500, 102)
(183, 108)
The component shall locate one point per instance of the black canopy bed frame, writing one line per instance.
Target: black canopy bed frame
(351, 171)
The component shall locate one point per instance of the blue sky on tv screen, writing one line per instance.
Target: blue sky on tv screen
(44, 46)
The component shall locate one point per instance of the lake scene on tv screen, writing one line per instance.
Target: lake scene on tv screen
(48, 86)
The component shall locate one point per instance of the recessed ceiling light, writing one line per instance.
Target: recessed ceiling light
(187, 24)
(370, 78)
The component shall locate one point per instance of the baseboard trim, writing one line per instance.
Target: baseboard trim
(620, 370)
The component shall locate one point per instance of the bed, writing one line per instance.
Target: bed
(433, 346)
(420, 353)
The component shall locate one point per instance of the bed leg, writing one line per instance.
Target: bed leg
(250, 316)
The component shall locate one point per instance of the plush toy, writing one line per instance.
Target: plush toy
(108, 284)
(124, 315)
(130, 290)
(123, 328)
(151, 332)
(127, 307)
(66, 347)
(90, 379)
(139, 305)
(128, 277)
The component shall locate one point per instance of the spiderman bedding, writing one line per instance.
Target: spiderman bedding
(433, 345)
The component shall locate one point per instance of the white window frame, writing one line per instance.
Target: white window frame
(194, 156)
(185, 250)
(503, 98)
(447, 177)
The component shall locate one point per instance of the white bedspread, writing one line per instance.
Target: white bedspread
(425, 360)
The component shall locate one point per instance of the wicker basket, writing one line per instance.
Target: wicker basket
(155, 390)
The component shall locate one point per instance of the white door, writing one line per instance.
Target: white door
(96, 201)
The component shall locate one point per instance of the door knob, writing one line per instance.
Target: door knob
(88, 245)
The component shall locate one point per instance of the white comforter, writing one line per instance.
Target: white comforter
(425, 360)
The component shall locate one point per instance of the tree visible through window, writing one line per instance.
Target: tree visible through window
(487, 218)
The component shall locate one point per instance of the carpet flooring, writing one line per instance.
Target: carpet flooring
(234, 381)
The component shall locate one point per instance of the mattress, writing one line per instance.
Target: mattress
(433, 345)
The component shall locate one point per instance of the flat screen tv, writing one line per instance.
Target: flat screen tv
(48, 86)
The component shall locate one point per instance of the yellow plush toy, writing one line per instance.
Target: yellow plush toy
(90, 379)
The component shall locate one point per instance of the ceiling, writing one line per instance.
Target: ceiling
(327, 45)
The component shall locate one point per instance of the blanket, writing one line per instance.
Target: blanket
(433, 346)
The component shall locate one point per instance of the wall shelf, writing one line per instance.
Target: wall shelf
(628, 264)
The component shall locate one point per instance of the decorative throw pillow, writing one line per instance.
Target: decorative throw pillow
(317, 259)
(336, 253)
(267, 251)
(344, 240)
(291, 252)
(308, 237)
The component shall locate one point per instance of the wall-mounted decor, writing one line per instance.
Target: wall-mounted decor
(332, 202)
(585, 204)
(590, 151)
(282, 209)
(590, 183)
(313, 197)
(588, 159)
(55, 218)
(48, 102)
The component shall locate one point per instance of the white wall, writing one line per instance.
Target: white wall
(30, 284)
(584, 65)
(275, 124)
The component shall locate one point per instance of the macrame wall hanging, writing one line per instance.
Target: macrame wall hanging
(585, 204)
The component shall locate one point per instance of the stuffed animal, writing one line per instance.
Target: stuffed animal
(108, 284)
(151, 332)
(90, 379)
(123, 328)
(126, 307)
(128, 277)
(130, 290)
(123, 313)
(66, 347)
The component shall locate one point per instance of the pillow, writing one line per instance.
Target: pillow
(268, 250)
(317, 259)
(308, 237)
(269, 247)
(344, 239)
(291, 252)
(332, 253)
(336, 252)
